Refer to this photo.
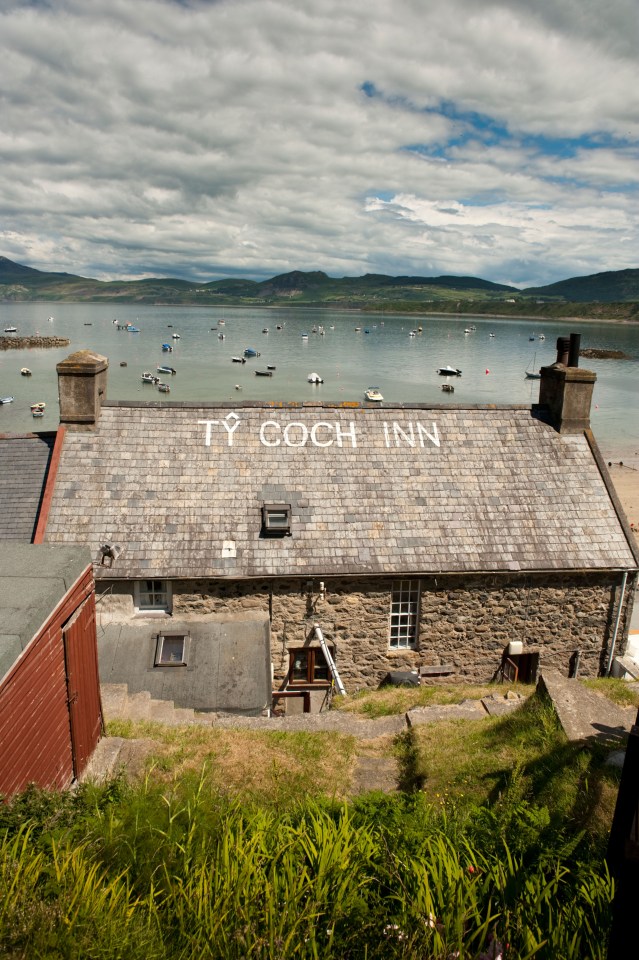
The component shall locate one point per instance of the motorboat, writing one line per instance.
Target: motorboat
(263, 373)
(220, 336)
(237, 359)
(25, 372)
(542, 336)
(150, 378)
(6, 399)
(132, 329)
(171, 370)
(304, 336)
(38, 406)
(10, 329)
(51, 319)
(251, 352)
(176, 336)
(271, 366)
(164, 388)
(374, 395)
(265, 330)
(449, 371)
(123, 363)
(315, 378)
(167, 348)
(448, 388)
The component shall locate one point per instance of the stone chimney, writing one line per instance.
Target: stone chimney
(566, 390)
(82, 383)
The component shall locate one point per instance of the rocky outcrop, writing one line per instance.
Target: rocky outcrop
(26, 343)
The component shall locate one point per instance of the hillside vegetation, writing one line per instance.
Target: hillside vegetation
(606, 295)
(236, 844)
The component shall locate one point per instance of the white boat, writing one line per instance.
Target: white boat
(541, 336)
(6, 399)
(163, 369)
(373, 394)
(238, 359)
(176, 336)
(25, 371)
(164, 388)
(38, 406)
(150, 378)
(10, 329)
(51, 319)
(449, 372)
(315, 378)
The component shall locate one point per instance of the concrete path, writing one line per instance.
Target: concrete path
(583, 713)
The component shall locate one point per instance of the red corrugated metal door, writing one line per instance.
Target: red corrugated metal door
(83, 684)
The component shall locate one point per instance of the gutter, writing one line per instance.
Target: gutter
(617, 619)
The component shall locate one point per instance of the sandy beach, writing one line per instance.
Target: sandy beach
(626, 481)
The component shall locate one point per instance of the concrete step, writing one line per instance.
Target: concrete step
(119, 704)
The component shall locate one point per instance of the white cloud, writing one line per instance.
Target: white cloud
(206, 139)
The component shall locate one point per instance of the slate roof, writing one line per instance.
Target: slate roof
(24, 462)
(372, 490)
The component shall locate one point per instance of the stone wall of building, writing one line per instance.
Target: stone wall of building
(465, 622)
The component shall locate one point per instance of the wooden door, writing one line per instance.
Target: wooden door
(83, 684)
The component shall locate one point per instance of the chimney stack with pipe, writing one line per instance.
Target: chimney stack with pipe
(566, 390)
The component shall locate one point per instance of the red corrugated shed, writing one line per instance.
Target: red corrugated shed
(50, 712)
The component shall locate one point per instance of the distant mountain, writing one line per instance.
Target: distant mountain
(617, 285)
(443, 294)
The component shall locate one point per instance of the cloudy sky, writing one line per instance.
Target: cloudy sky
(217, 138)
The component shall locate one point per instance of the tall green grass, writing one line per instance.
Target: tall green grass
(183, 872)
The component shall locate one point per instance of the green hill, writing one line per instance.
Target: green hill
(612, 294)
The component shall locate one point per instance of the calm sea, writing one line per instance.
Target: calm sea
(356, 351)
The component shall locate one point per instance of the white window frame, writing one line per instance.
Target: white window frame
(403, 626)
(159, 650)
(156, 600)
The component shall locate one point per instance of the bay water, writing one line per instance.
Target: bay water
(355, 351)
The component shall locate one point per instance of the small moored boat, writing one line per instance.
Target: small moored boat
(38, 412)
(132, 329)
(237, 359)
(449, 371)
(263, 373)
(123, 363)
(167, 348)
(271, 366)
(150, 378)
(6, 399)
(315, 378)
(10, 329)
(38, 406)
(176, 336)
(251, 352)
(25, 372)
(171, 370)
(448, 388)
(374, 395)
(164, 388)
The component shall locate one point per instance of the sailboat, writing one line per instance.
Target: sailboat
(531, 374)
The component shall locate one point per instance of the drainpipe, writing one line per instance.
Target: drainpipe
(329, 659)
(617, 619)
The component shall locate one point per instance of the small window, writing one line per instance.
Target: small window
(404, 614)
(153, 595)
(308, 665)
(170, 650)
(276, 520)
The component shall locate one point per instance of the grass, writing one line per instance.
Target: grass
(267, 766)
(392, 700)
(625, 693)
(235, 844)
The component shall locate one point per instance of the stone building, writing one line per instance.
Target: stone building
(455, 541)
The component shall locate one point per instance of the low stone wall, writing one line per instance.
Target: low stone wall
(466, 621)
(26, 343)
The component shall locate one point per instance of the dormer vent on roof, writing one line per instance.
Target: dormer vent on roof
(276, 520)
